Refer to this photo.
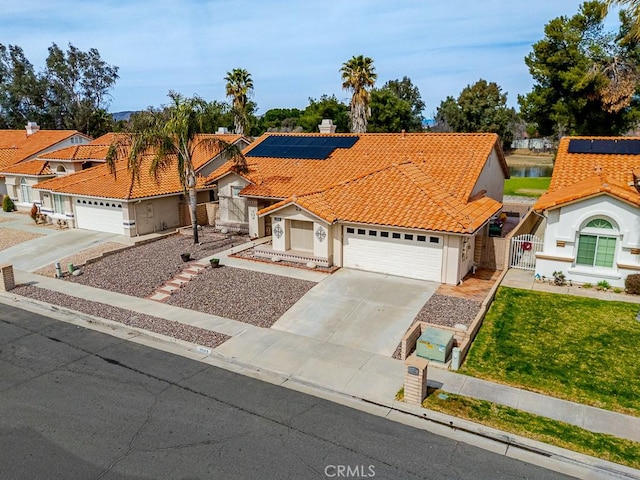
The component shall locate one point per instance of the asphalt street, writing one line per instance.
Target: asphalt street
(78, 404)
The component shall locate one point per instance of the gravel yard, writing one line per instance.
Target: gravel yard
(171, 328)
(10, 237)
(139, 271)
(244, 295)
(80, 258)
(447, 311)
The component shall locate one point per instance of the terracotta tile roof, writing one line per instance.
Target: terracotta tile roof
(29, 146)
(455, 160)
(7, 157)
(422, 181)
(98, 181)
(29, 167)
(581, 175)
(400, 196)
(202, 155)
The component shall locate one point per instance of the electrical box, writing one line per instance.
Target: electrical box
(435, 344)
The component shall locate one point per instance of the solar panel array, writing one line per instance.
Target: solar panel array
(618, 147)
(305, 147)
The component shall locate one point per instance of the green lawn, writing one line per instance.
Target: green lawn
(526, 186)
(538, 428)
(580, 349)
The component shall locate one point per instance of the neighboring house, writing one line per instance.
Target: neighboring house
(592, 210)
(404, 204)
(96, 199)
(18, 146)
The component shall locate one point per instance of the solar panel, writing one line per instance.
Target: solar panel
(579, 146)
(617, 147)
(604, 146)
(301, 146)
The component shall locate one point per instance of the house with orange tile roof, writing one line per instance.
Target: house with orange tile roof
(592, 212)
(98, 199)
(403, 204)
(18, 146)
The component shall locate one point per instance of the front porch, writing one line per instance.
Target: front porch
(296, 256)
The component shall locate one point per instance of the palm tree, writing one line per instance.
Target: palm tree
(171, 139)
(239, 89)
(358, 76)
(632, 8)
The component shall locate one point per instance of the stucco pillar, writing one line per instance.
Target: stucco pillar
(321, 240)
(279, 234)
(252, 207)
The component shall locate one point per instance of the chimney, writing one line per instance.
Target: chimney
(222, 131)
(32, 127)
(327, 126)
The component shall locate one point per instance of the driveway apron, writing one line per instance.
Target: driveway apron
(363, 310)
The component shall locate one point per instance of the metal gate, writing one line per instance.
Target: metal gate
(523, 251)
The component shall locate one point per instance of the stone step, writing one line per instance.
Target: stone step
(178, 282)
(193, 270)
(168, 289)
(186, 276)
(159, 296)
(202, 263)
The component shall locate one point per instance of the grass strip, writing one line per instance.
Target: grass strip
(526, 186)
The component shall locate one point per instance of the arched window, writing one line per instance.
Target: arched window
(25, 191)
(61, 169)
(597, 244)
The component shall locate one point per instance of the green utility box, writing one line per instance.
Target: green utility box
(435, 344)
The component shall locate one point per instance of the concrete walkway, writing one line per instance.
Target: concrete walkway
(362, 310)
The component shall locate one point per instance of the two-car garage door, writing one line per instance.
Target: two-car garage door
(99, 215)
(394, 253)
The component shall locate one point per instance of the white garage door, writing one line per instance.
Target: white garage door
(99, 215)
(394, 253)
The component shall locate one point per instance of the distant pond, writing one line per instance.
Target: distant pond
(539, 171)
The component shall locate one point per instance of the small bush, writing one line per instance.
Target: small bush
(603, 285)
(559, 278)
(632, 284)
(7, 204)
(34, 213)
(618, 290)
(586, 285)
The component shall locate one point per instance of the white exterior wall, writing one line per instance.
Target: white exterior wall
(322, 244)
(451, 259)
(70, 167)
(225, 194)
(564, 224)
(152, 215)
(491, 178)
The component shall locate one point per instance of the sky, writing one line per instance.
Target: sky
(293, 48)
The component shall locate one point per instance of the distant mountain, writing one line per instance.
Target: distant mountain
(117, 116)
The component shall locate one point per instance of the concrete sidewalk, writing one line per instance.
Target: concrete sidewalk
(366, 375)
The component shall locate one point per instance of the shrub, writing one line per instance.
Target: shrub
(603, 285)
(7, 204)
(618, 290)
(586, 285)
(632, 284)
(559, 278)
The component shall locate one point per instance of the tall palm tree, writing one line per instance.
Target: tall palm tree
(632, 8)
(358, 76)
(170, 140)
(239, 89)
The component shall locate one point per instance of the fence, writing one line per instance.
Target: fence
(523, 251)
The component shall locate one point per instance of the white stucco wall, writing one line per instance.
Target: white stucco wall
(564, 224)
(225, 194)
(322, 243)
(491, 178)
(152, 215)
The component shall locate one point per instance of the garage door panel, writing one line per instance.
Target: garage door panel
(100, 219)
(406, 258)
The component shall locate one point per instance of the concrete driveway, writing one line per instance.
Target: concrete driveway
(53, 245)
(363, 310)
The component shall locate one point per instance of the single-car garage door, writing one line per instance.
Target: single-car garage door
(394, 253)
(99, 215)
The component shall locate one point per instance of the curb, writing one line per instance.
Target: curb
(514, 446)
